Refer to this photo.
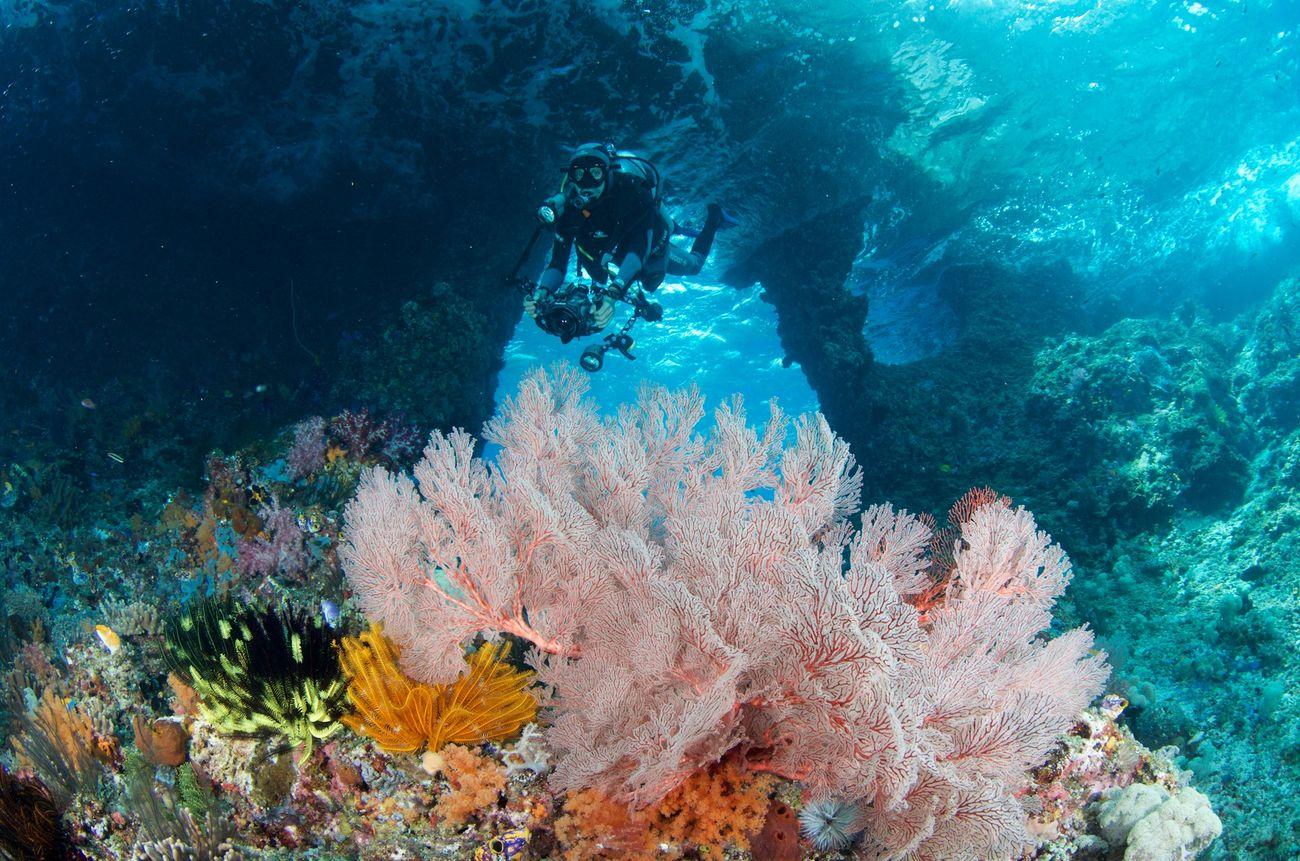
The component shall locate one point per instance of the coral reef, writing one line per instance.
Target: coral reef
(419, 364)
(219, 780)
(649, 531)
(1162, 452)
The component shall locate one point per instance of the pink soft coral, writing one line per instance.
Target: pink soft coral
(689, 596)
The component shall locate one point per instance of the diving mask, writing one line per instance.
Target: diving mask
(588, 173)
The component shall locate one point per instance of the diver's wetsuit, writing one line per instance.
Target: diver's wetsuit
(627, 223)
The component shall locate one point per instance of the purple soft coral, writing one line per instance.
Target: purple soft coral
(391, 440)
(279, 549)
(307, 454)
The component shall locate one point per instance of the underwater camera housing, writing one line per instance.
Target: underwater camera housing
(567, 313)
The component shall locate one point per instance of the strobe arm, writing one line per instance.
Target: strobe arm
(513, 281)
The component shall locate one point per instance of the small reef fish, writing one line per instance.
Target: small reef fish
(311, 521)
(109, 638)
(88, 403)
(258, 494)
(330, 611)
(112, 455)
(509, 846)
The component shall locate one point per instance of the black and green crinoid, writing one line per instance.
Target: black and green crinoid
(30, 823)
(260, 671)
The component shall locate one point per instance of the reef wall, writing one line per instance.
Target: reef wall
(223, 216)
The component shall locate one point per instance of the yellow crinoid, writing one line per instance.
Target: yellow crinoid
(490, 701)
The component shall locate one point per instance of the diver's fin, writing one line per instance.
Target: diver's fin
(721, 217)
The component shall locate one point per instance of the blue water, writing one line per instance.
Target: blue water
(712, 336)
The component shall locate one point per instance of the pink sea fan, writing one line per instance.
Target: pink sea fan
(690, 596)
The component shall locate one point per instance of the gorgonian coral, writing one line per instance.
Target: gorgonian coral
(488, 702)
(259, 671)
(692, 597)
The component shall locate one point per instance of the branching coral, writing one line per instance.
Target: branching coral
(260, 672)
(489, 703)
(133, 619)
(173, 831)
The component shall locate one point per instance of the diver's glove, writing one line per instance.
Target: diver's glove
(602, 313)
(616, 288)
(531, 300)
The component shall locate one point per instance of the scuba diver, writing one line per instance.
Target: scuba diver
(610, 209)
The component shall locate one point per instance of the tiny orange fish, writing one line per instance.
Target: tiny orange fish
(109, 638)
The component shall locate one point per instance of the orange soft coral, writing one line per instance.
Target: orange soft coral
(713, 809)
(718, 807)
(594, 827)
(476, 783)
(60, 745)
(489, 703)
